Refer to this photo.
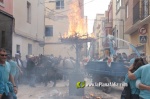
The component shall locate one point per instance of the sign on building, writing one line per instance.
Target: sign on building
(143, 39)
(143, 30)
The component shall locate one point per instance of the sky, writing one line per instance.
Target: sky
(93, 7)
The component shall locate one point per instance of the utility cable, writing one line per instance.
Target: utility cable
(64, 10)
(71, 9)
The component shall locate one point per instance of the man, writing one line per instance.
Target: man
(21, 67)
(14, 68)
(7, 84)
(31, 71)
(142, 73)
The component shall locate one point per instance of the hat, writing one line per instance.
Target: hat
(30, 56)
(17, 54)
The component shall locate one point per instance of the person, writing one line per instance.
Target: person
(8, 89)
(133, 57)
(142, 73)
(31, 71)
(134, 91)
(124, 56)
(21, 67)
(15, 69)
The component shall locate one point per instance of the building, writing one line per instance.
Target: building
(6, 24)
(29, 27)
(137, 21)
(99, 32)
(108, 28)
(119, 25)
(57, 23)
(114, 24)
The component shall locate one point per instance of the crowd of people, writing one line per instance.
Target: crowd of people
(14, 71)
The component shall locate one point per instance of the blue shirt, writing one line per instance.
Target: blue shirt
(144, 74)
(134, 90)
(13, 66)
(4, 77)
(4, 72)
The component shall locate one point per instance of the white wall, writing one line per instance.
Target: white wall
(25, 32)
(60, 26)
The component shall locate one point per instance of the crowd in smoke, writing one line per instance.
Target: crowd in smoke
(120, 57)
(42, 69)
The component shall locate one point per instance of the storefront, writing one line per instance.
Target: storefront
(6, 30)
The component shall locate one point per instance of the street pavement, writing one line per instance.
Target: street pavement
(61, 91)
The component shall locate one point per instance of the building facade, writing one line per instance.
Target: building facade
(29, 27)
(56, 25)
(108, 25)
(119, 26)
(99, 32)
(6, 24)
(137, 24)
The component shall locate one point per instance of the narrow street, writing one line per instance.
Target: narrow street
(93, 43)
(61, 92)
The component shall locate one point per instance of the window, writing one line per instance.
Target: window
(28, 12)
(127, 11)
(29, 49)
(17, 48)
(118, 5)
(60, 4)
(49, 31)
(145, 8)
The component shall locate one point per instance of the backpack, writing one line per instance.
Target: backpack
(126, 93)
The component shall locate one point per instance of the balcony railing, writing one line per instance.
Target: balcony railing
(140, 13)
(145, 9)
(136, 13)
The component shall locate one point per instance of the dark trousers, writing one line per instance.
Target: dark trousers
(135, 96)
(9, 96)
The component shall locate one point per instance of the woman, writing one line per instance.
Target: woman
(134, 90)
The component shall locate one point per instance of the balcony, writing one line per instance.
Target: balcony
(140, 13)
(136, 13)
(144, 9)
